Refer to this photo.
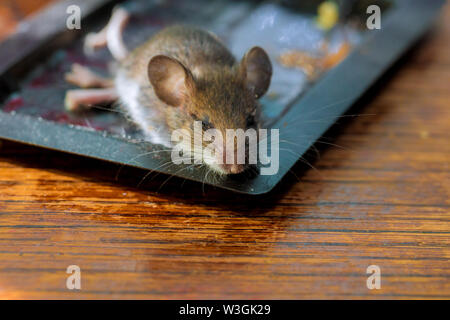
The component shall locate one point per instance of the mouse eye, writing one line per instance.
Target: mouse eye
(206, 125)
(250, 121)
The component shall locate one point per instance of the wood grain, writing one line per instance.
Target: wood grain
(380, 197)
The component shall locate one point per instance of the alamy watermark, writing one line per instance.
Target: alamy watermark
(74, 280)
(374, 20)
(374, 280)
(73, 21)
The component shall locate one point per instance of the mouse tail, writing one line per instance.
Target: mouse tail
(111, 35)
(114, 33)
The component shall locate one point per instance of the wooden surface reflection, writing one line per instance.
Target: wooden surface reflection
(380, 197)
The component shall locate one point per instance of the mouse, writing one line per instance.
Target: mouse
(180, 75)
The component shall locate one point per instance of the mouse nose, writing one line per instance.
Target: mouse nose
(236, 168)
(233, 168)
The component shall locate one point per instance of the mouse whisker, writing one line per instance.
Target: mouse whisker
(326, 120)
(204, 179)
(109, 109)
(136, 157)
(172, 175)
(173, 164)
(165, 164)
(298, 145)
(320, 141)
(301, 158)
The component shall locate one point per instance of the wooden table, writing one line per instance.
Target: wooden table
(380, 195)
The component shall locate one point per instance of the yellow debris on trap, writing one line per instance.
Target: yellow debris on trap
(327, 15)
(313, 65)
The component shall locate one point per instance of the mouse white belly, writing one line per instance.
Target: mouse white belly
(142, 114)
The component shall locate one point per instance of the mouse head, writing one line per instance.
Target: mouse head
(221, 97)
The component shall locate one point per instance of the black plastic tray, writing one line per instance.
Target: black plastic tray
(329, 98)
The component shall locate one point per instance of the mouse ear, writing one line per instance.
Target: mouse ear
(171, 80)
(256, 69)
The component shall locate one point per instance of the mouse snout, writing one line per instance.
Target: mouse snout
(233, 168)
(229, 162)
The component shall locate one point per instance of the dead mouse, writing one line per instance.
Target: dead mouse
(180, 75)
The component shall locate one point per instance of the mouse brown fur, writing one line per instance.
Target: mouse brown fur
(179, 76)
(186, 74)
